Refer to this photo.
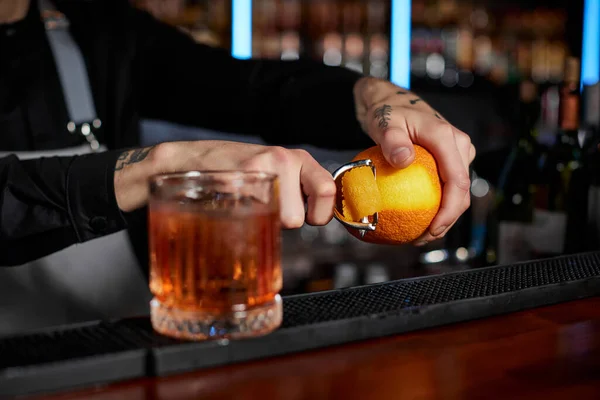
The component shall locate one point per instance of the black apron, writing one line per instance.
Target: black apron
(93, 280)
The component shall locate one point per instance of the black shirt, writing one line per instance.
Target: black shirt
(138, 68)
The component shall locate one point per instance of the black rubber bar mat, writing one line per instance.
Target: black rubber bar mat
(335, 317)
(74, 356)
(113, 351)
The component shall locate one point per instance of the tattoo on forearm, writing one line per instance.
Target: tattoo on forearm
(401, 92)
(437, 116)
(131, 157)
(415, 101)
(382, 114)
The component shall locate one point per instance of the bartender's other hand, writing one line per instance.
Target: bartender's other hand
(300, 175)
(395, 118)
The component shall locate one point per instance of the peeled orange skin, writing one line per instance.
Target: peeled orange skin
(408, 198)
(364, 196)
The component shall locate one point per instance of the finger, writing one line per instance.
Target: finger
(320, 189)
(388, 129)
(287, 167)
(290, 192)
(427, 237)
(472, 154)
(440, 141)
(463, 143)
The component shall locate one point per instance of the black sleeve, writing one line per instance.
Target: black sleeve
(48, 204)
(285, 102)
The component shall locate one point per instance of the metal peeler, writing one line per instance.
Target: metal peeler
(364, 225)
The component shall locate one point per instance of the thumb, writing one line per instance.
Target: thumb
(392, 136)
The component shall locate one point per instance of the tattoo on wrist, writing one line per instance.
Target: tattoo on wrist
(132, 157)
(415, 101)
(382, 114)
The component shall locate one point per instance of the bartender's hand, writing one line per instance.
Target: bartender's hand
(395, 118)
(300, 175)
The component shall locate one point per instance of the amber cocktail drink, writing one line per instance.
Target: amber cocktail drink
(214, 241)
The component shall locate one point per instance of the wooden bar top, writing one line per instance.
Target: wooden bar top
(551, 353)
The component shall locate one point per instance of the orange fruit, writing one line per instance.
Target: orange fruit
(406, 199)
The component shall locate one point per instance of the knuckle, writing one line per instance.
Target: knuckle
(302, 153)
(272, 159)
(443, 132)
(326, 188)
(460, 135)
(256, 163)
(463, 140)
(280, 155)
(447, 130)
(165, 151)
(463, 182)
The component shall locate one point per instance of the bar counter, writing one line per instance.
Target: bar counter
(549, 352)
(523, 330)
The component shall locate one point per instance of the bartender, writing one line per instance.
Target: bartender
(76, 77)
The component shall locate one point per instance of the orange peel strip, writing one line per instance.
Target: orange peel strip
(361, 194)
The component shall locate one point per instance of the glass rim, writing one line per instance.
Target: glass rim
(192, 175)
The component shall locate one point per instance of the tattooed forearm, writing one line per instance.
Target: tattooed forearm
(382, 115)
(401, 92)
(131, 157)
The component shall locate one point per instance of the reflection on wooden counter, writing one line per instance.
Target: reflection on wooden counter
(550, 353)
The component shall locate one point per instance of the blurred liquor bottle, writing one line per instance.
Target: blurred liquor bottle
(499, 41)
(266, 42)
(349, 33)
(377, 39)
(354, 44)
(452, 41)
(559, 203)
